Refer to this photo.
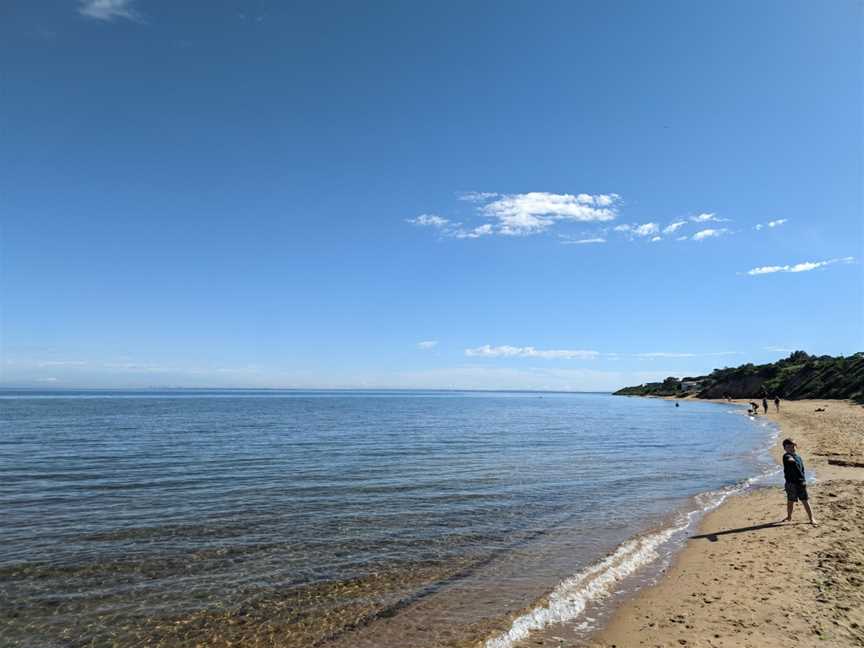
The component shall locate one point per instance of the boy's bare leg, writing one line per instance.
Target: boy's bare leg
(789, 506)
(809, 512)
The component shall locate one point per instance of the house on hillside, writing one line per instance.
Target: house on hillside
(689, 385)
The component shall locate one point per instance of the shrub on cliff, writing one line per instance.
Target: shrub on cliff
(800, 375)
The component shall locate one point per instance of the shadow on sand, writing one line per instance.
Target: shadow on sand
(712, 537)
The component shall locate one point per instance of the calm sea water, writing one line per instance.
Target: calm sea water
(331, 518)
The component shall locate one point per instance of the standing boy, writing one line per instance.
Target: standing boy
(796, 487)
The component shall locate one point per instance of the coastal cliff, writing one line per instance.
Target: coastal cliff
(799, 376)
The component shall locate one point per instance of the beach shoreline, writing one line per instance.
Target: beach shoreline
(731, 584)
(744, 579)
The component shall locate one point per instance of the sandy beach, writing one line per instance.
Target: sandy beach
(745, 579)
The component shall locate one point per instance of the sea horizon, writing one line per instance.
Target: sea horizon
(297, 389)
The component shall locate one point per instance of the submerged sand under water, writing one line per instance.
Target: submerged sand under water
(180, 527)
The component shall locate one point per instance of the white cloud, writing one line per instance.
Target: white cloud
(108, 10)
(477, 196)
(706, 217)
(774, 223)
(583, 241)
(448, 228)
(427, 344)
(647, 229)
(805, 266)
(672, 227)
(477, 232)
(507, 351)
(488, 351)
(643, 230)
(429, 220)
(672, 354)
(654, 239)
(536, 211)
(604, 200)
(709, 233)
(776, 349)
(60, 363)
(524, 214)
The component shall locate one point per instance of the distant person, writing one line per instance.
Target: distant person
(777, 403)
(754, 407)
(765, 404)
(796, 486)
(676, 404)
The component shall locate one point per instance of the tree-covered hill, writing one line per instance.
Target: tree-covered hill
(798, 376)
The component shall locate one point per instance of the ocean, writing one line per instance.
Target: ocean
(409, 519)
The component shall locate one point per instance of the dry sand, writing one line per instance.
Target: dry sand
(745, 579)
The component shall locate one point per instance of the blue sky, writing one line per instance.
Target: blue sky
(552, 195)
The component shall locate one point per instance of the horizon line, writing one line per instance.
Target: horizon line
(303, 389)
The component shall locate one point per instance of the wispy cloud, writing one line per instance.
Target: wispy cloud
(774, 223)
(427, 344)
(477, 196)
(636, 230)
(535, 212)
(448, 228)
(109, 10)
(776, 349)
(60, 363)
(671, 228)
(805, 266)
(430, 220)
(584, 241)
(98, 367)
(488, 351)
(707, 218)
(475, 232)
(672, 354)
(709, 233)
(507, 351)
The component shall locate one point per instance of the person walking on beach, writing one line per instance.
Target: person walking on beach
(796, 487)
(777, 403)
(765, 404)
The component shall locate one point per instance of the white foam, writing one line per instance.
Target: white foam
(571, 596)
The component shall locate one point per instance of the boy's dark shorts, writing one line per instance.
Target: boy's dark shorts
(796, 491)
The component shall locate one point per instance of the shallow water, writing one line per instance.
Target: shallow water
(330, 518)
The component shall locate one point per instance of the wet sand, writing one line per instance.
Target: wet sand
(746, 579)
